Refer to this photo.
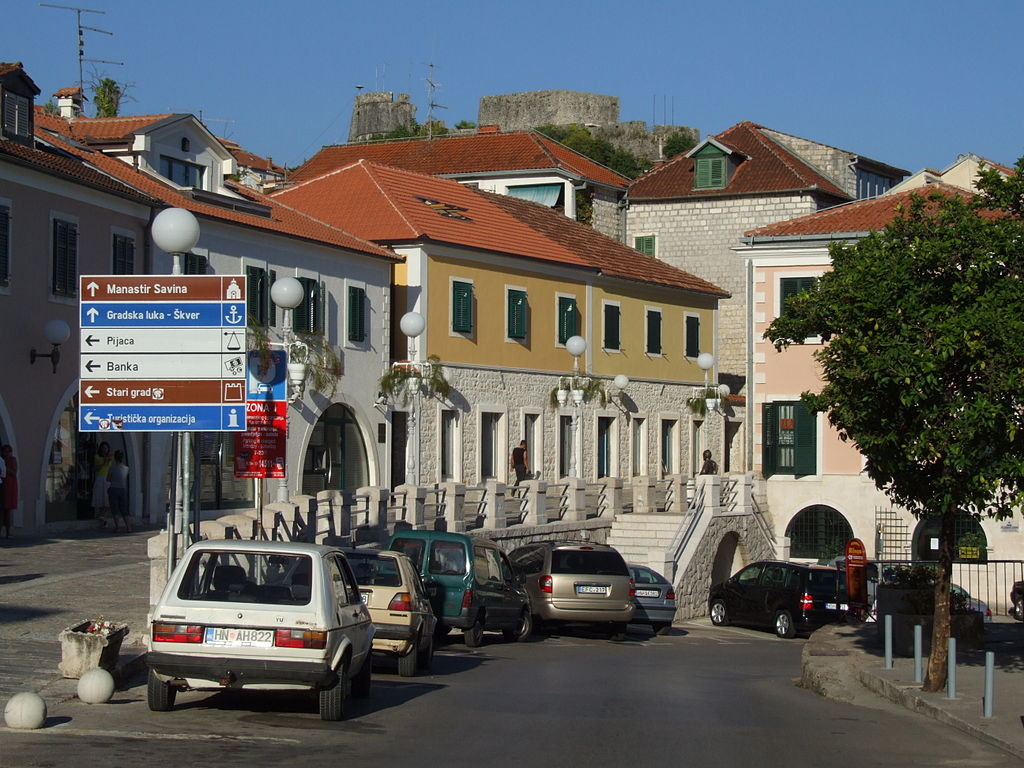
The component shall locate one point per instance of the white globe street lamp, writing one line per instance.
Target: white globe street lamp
(175, 231)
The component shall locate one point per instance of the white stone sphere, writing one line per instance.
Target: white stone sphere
(25, 710)
(287, 292)
(96, 686)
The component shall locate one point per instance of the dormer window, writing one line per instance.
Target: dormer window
(17, 116)
(709, 168)
(181, 173)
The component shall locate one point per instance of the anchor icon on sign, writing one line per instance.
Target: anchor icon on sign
(233, 317)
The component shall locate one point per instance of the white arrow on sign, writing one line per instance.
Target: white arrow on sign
(90, 391)
(92, 288)
(89, 418)
(92, 312)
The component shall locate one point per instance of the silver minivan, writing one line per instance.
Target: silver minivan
(577, 583)
(260, 615)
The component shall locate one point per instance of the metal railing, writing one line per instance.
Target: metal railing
(988, 581)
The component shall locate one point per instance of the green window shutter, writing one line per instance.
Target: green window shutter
(65, 258)
(644, 244)
(462, 307)
(806, 441)
(516, 314)
(356, 314)
(5, 245)
(790, 287)
(769, 439)
(308, 316)
(653, 333)
(257, 294)
(123, 255)
(271, 306)
(195, 264)
(709, 172)
(567, 318)
(692, 336)
(611, 326)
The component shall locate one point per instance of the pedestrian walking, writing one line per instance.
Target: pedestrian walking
(117, 492)
(519, 462)
(101, 464)
(710, 466)
(8, 487)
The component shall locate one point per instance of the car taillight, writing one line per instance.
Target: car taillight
(806, 602)
(300, 638)
(632, 589)
(401, 602)
(545, 584)
(467, 598)
(177, 633)
(671, 594)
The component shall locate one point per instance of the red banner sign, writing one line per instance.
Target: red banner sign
(856, 574)
(260, 450)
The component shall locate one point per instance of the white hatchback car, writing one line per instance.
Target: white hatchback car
(261, 615)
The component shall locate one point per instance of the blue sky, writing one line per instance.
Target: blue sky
(912, 83)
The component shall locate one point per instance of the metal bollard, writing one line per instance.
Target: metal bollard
(951, 669)
(918, 674)
(990, 664)
(888, 641)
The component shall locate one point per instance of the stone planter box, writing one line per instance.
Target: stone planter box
(82, 651)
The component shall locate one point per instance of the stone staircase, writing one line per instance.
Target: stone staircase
(644, 539)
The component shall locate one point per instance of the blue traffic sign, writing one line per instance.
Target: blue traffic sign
(186, 314)
(162, 418)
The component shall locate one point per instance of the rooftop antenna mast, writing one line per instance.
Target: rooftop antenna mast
(81, 38)
(431, 88)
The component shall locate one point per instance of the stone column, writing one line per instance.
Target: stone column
(494, 493)
(537, 502)
(577, 493)
(455, 499)
(643, 494)
(414, 497)
(306, 514)
(613, 495)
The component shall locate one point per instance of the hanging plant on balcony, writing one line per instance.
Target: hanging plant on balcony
(698, 402)
(591, 388)
(323, 365)
(429, 375)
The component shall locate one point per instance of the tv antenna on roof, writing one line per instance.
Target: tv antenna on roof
(81, 38)
(431, 88)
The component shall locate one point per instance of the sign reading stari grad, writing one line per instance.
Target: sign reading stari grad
(162, 353)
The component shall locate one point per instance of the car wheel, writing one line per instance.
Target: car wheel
(719, 614)
(784, 625)
(662, 629)
(426, 654)
(617, 632)
(361, 682)
(334, 699)
(1018, 611)
(523, 629)
(160, 694)
(474, 635)
(408, 663)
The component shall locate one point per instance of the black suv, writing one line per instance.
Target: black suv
(787, 597)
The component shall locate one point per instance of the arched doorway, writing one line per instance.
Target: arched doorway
(818, 532)
(336, 458)
(728, 558)
(969, 540)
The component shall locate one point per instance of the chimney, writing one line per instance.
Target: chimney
(492, 128)
(70, 102)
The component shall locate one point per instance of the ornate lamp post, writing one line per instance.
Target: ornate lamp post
(574, 395)
(412, 325)
(288, 293)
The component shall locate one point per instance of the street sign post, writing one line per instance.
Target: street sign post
(162, 353)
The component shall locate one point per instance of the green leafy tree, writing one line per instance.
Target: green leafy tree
(107, 95)
(463, 125)
(924, 359)
(597, 148)
(677, 143)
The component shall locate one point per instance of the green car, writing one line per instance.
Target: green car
(471, 585)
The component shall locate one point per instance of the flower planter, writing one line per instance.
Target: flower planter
(82, 650)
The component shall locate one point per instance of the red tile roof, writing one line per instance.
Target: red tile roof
(283, 219)
(250, 160)
(855, 218)
(605, 254)
(390, 205)
(87, 129)
(765, 167)
(474, 154)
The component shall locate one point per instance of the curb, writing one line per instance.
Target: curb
(909, 698)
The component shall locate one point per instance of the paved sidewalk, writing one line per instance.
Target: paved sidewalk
(50, 583)
(847, 663)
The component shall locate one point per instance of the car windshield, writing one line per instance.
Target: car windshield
(247, 577)
(411, 548)
(372, 570)
(588, 561)
(822, 581)
(447, 558)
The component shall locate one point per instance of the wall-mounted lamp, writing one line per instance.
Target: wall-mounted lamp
(619, 396)
(56, 332)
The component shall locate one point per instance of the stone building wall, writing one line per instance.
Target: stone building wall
(522, 111)
(379, 112)
(609, 217)
(834, 163)
(697, 235)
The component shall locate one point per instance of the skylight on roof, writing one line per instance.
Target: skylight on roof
(447, 210)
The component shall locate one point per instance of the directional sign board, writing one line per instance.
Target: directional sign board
(162, 353)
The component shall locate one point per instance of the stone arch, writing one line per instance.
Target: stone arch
(969, 539)
(729, 557)
(336, 453)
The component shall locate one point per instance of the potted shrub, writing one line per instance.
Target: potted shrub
(405, 377)
(90, 644)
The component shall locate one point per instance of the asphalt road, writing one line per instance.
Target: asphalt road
(702, 696)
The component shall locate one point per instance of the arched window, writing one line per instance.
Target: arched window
(818, 532)
(969, 540)
(336, 455)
